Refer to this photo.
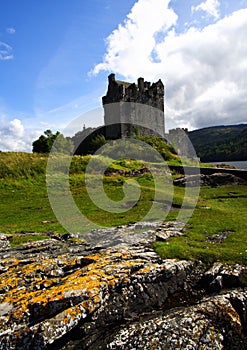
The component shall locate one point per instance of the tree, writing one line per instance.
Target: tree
(88, 141)
(46, 141)
(97, 142)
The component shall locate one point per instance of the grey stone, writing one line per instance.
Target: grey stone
(4, 242)
(5, 308)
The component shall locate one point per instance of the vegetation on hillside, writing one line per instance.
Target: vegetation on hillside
(220, 143)
(16, 166)
(163, 148)
(45, 142)
(93, 142)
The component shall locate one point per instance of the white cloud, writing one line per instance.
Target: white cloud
(16, 128)
(132, 44)
(5, 52)
(10, 30)
(211, 7)
(14, 137)
(204, 70)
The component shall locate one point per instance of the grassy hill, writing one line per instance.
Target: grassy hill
(220, 143)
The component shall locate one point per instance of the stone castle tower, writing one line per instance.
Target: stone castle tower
(143, 113)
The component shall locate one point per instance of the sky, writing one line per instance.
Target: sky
(55, 57)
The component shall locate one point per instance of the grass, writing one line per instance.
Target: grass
(25, 207)
(113, 187)
(20, 165)
(18, 239)
(219, 210)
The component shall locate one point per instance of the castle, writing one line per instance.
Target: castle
(134, 110)
(130, 109)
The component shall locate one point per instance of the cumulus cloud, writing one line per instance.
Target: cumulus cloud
(211, 7)
(204, 69)
(5, 52)
(14, 137)
(132, 45)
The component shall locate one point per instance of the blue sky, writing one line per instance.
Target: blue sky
(55, 57)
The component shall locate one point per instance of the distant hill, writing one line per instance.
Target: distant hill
(220, 143)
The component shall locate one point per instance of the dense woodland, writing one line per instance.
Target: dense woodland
(221, 143)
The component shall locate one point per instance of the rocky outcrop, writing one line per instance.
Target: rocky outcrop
(212, 324)
(213, 180)
(110, 290)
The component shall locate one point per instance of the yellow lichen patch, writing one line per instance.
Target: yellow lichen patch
(8, 282)
(34, 291)
(66, 320)
(96, 257)
(15, 262)
(125, 256)
(45, 297)
(145, 269)
(17, 314)
(96, 299)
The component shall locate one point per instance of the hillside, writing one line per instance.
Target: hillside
(220, 143)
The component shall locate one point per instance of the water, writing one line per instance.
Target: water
(238, 165)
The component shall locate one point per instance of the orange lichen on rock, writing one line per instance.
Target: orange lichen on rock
(33, 293)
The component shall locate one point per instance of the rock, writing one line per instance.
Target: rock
(190, 181)
(220, 179)
(5, 308)
(225, 166)
(219, 237)
(166, 234)
(4, 242)
(110, 290)
(214, 180)
(224, 277)
(214, 323)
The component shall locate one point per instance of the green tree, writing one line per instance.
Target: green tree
(45, 142)
(97, 142)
